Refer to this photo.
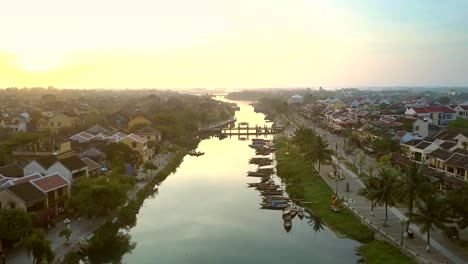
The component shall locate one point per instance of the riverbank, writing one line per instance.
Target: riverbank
(303, 182)
(110, 242)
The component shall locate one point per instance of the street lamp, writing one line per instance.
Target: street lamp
(402, 231)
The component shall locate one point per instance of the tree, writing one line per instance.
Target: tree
(148, 165)
(457, 200)
(100, 195)
(386, 189)
(349, 148)
(385, 145)
(460, 125)
(14, 225)
(322, 152)
(444, 100)
(66, 232)
(413, 186)
(432, 212)
(39, 247)
(370, 190)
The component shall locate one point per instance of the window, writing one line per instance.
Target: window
(52, 124)
(416, 128)
(450, 169)
(60, 192)
(12, 205)
(134, 144)
(148, 137)
(59, 124)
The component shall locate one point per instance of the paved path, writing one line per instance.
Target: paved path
(443, 250)
(84, 227)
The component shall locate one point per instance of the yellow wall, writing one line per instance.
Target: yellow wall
(138, 120)
(140, 147)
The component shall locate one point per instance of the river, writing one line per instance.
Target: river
(204, 213)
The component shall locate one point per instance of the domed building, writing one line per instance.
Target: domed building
(295, 99)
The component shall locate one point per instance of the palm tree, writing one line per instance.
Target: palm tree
(321, 150)
(369, 191)
(386, 189)
(39, 246)
(413, 186)
(432, 212)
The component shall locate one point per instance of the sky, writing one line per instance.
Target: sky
(233, 44)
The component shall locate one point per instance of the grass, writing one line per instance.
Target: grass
(305, 183)
(313, 188)
(381, 252)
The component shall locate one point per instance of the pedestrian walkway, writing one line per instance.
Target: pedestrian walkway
(443, 250)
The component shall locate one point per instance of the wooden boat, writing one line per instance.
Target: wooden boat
(277, 198)
(257, 174)
(277, 207)
(265, 170)
(195, 153)
(287, 226)
(300, 213)
(267, 188)
(293, 212)
(256, 184)
(272, 192)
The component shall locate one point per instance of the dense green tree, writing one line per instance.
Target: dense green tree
(460, 125)
(66, 232)
(118, 153)
(322, 150)
(444, 100)
(369, 191)
(432, 211)
(94, 196)
(386, 188)
(39, 247)
(458, 201)
(109, 245)
(14, 225)
(385, 145)
(413, 186)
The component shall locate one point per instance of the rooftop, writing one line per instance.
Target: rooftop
(27, 192)
(50, 183)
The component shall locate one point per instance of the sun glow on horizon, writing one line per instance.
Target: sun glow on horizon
(208, 43)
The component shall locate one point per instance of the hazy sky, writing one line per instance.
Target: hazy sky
(238, 43)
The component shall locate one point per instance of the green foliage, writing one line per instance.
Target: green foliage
(119, 153)
(72, 258)
(385, 145)
(458, 200)
(295, 171)
(14, 224)
(18, 139)
(100, 195)
(444, 100)
(66, 232)
(109, 245)
(386, 186)
(460, 125)
(381, 252)
(433, 211)
(39, 247)
(313, 147)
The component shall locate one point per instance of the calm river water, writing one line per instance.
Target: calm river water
(204, 213)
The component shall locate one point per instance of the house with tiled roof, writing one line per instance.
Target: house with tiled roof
(12, 171)
(138, 144)
(149, 133)
(70, 168)
(57, 191)
(461, 111)
(99, 129)
(437, 115)
(453, 163)
(93, 167)
(24, 196)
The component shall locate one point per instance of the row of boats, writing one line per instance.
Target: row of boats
(273, 197)
(262, 146)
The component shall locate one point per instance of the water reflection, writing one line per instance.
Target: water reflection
(205, 214)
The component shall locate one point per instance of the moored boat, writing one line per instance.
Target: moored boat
(300, 212)
(272, 192)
